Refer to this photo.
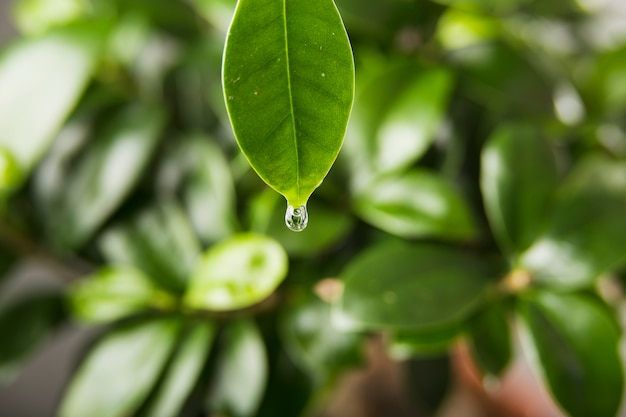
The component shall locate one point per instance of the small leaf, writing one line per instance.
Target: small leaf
(575, 340)
(23, 325)
(182, 374)
(113, 293)
(159, 241)
(34, 103)
(410, 287)
(490, 339)
(518, 180)
(242, 374)
(237, 273)
(288, 78)
(120, 370)
(416, 204)
(429, 342)
(107, 172)
(586, 235)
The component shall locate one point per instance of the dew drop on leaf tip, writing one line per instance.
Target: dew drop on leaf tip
(296, 219)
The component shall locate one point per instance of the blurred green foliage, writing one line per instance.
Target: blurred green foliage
(480, 195)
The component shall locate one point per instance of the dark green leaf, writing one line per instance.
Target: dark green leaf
(407, 344)
(416, 204)
(107, 172)
(183, 372)
(490, 339)
(159, 241)
(113, 293)
(410, 287)
(40, 82)
(237, 273)
(587, 233)
(288, 79)
(121, 370)
(23, 325)
(518, 179)
(575, 340)
(242, 374)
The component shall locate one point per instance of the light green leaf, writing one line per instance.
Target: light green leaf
(113, 293)
(518, 180)
(490, 339)
(401, 286)
(288, 79)
(35, 17)
(106, 173)
(121, 370)
(242, 373)
(182, 374)
(237, 273)
(586, 235)
(159, 241)
(40, 82)
(575, 339)
(23, 325)
(416, 204)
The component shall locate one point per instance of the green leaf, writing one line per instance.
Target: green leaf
(35, 17)
(115, 292)
(23, 325)
(159, 241)
(402, 286)
(429, 342)
(314, 344)
(242, 372)
(416, 204)
(182, 374)
(490, 339)
(237, 273)
(40, 82)
(575, 340)
(586, 235)
(288, 78)
(105, 175)
(518, 180)
(120, 370)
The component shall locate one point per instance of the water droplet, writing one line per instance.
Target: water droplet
(296, 219)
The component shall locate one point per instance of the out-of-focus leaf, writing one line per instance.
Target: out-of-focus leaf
(40, 82)
(121, 370)
(331, 226)
(7, 261)
(401, 286)
(518, 180)
(175, 18)
(23, 325)
(106, 173)
(575, 340)
(485, 6)
(209, 191)
(242, 372)
(586, 235)
(416, 204)
(604, 90)
(10, 172)
(217, 12)
(316, 345)
(183, 372)
(159, 241)
(407, 344)
(490, 339)
(288, 79)
(113, 293)
(237, 273)
(460, 29)
(34, 17)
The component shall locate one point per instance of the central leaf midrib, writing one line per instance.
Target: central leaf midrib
(291, 108)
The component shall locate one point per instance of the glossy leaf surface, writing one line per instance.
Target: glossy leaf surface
(410, 287)
(416, 204)
(490, 339)
(127, 361)
(575, 340)
(32, 107)
(586, 235)
(518, 181)
(242, 374)
(237, 273)
(288, 78)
